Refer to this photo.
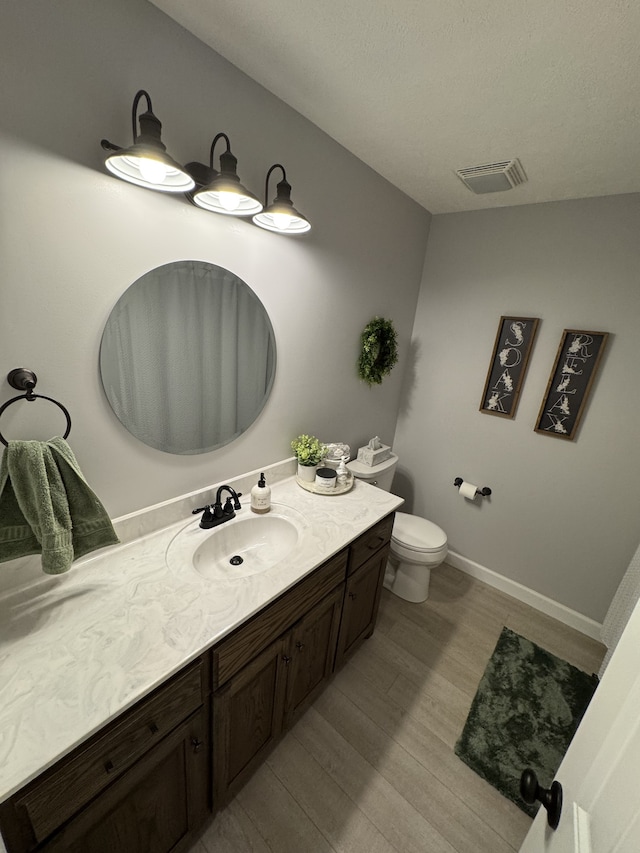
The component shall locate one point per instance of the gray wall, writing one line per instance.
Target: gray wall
(73, 238)
(564, 517)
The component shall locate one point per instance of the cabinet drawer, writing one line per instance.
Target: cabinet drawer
(76, 779)
(239, 648)
(370, 542)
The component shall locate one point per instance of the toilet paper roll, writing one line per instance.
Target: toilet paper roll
(468, 490)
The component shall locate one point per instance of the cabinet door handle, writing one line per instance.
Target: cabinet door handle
(377, 543)
(299, 645)
(286, 659)
(153, 728)
(109, 766)
(197, 744)
(353, 595)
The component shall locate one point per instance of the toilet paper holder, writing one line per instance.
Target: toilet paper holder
(484, 492)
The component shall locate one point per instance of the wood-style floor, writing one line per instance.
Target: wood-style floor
(370, 767)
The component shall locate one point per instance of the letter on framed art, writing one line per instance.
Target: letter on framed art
(570, 382)
(508, 366)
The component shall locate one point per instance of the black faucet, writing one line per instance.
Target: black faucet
(235, 495)
(216, 514)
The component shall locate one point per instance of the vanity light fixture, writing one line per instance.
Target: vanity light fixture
(281, 216)
(222, 192)
(146, 163)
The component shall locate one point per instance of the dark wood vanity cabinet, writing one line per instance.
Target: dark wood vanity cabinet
(361, 602)
(148, 780)
(311, 654)
(140, 784)
(273, 667)
(367, 564)
(247, 719)
(270, 685)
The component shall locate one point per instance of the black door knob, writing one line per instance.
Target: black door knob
(551, 798)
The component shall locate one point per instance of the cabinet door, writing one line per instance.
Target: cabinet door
(313, 649)
(40, 808)
(361, 601)
(247, 715)
(155, 806)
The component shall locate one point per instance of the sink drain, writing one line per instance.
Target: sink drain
(236, 561)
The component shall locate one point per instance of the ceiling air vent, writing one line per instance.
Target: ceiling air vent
(494, 177)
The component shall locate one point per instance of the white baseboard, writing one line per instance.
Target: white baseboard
(528, 596)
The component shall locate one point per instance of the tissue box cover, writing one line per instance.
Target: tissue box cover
(373, 457)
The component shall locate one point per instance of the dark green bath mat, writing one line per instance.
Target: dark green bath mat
(526, 710)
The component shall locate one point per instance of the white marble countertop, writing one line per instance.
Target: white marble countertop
(76, 650)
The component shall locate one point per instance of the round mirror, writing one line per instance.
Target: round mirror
(188, 357)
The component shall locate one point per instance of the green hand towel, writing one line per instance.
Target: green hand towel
(91, 526)
(34, 514)
(46, 506)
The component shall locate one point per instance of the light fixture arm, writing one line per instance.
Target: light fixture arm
(213, 145)
(284, 184)
(150, 126)
(134, 109)
(228, 163)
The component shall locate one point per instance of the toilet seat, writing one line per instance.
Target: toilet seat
(418, 535)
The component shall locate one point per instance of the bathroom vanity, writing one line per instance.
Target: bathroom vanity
(149, 775)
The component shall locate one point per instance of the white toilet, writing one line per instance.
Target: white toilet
(417, 545)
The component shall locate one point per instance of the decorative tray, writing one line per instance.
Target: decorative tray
(339, 489)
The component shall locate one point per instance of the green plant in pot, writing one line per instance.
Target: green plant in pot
(309, 452)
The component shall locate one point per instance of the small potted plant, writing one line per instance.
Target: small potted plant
(309, 452)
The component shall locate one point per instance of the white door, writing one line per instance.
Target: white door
(599, 773)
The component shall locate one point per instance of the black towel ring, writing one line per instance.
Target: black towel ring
(25, 380)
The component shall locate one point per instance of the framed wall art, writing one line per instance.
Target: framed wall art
(508, 366)
(570, 382)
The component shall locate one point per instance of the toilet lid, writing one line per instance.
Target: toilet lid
(417, 534)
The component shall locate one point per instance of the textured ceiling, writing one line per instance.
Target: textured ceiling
(419, 88)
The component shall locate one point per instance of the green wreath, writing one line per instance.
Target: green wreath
(379, 351)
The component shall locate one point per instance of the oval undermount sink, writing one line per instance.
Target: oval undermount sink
(247, 545)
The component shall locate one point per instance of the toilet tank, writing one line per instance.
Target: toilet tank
(377, 475)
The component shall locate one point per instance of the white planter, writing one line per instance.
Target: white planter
(307, 472)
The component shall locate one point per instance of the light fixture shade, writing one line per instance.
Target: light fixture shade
(146, 162)
(221, 196)
(281, 216)
(223, 192)
(148, 169)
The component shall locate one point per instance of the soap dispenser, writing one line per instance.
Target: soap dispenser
(261, 496)
(343, 472)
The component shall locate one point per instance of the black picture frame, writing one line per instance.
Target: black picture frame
(570, 382)
(508, 366)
